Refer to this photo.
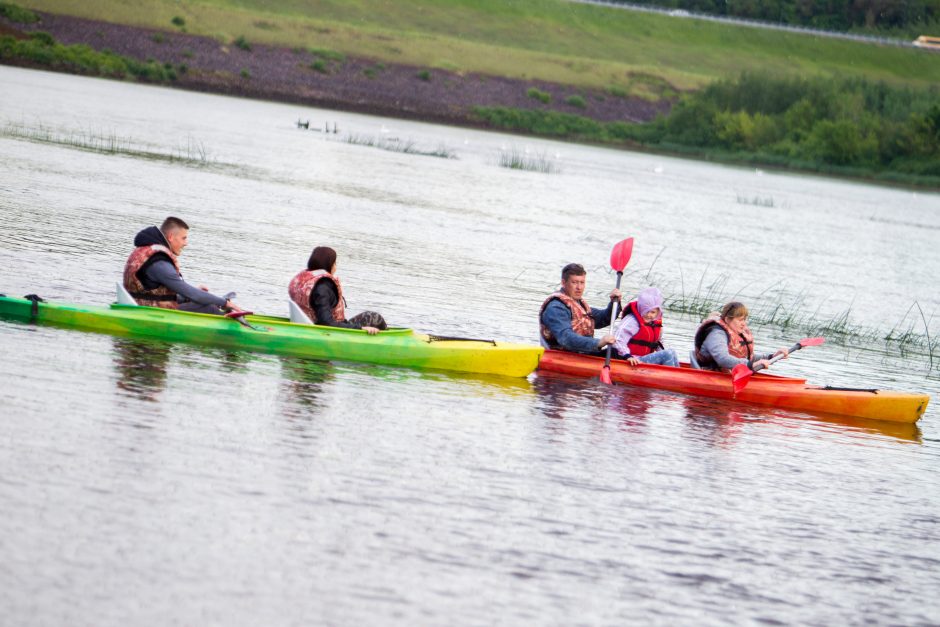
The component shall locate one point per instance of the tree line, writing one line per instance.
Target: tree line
(850, 122)
(907, 16)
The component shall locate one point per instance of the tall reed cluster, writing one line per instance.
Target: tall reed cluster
(393, 144)
(519, 160)
(192, 152)
(910, 336)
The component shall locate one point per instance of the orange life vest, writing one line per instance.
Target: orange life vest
(159, 296)
(301, 287)
(740, 345)
(646, 340)
(581, 321)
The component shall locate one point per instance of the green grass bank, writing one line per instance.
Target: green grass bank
(550, 40)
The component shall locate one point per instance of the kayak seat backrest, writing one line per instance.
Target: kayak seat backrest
(693, 361)
(124, 297)
(297, 314)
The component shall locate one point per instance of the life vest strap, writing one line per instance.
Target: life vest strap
(653, 345)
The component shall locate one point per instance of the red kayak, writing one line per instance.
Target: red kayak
(763, 389)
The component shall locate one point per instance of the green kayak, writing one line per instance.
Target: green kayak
(267, 334)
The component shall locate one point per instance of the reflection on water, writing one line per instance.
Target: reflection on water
(236, 362)
(715, 422)
(141, 367)
(636, 406)
(721, 422)
(718, 423)
(478, 385)
(862, 428)
(303, 382)
(560, 395)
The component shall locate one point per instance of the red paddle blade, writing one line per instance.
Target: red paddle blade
(620, 255)
(605, 375)
(740, 375)
(812, 341)
(238, 314)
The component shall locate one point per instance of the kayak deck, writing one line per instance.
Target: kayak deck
(395, 347)
(763, 389)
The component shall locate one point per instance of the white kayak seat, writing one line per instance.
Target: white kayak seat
(297, 314)
(693, 361)
(124, 297)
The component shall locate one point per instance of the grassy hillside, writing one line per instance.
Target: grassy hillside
(548, 40)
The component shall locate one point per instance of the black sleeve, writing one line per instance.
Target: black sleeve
(322, 300)
(164, 273)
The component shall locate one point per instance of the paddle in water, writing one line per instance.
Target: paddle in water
(619, 258)
(741, 374)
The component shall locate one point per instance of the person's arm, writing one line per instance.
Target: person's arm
(557, 318)
(164, 273)
(604, 317)
(628, 328)
(764, 359)
(322, 300)
(762, 356)
(716, 346)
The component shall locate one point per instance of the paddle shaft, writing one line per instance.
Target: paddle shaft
(777, 358)
(619, 258)
(741, 374)
(612, 320)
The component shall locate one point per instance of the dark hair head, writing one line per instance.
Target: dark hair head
(322, 258)
(734, 310)
(572, 269)
(173, 224)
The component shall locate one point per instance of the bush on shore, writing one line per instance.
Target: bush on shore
(850, 126)
(41, 49)
(17, 14)
(537, 94)
(241, 42)
(845, 123)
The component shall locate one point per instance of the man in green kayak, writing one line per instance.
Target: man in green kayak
(152, 273)
(566, 322)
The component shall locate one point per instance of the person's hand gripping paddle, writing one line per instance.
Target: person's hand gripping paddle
(741, 374)
(619, 258)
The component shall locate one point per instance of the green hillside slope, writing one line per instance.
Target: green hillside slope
(548, 40)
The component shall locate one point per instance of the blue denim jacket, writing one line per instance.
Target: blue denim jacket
(557, 317)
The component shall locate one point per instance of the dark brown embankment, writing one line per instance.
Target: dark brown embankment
(353, 84)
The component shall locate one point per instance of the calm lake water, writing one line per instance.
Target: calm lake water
(156, 484)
